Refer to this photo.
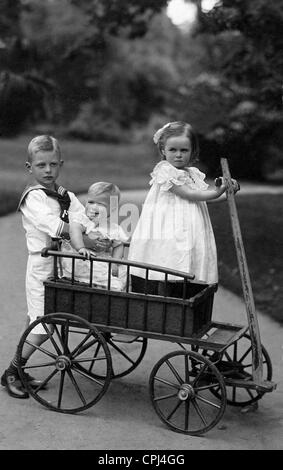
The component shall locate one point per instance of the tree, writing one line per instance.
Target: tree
(62, 45)
(244, 46)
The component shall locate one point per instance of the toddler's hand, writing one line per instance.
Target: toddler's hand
(115, 270)
(85, 252)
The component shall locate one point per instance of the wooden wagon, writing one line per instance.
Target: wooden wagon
(95, 335)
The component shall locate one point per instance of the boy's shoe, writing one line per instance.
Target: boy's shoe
(13, 385)
(34, 383)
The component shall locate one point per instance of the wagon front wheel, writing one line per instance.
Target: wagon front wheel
(236, 363)
(65, 387)
(180, 385)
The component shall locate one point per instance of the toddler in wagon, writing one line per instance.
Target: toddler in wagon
(97, 223)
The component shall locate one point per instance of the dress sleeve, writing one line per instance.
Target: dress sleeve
(40, 215)
(196, 179)
(165, 175)
(118, 236)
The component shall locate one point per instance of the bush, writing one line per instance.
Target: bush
(89, 126)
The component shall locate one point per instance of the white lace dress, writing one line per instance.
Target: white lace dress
(173, 232)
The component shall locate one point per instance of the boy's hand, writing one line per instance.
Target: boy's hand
(85, 252)
(115, 270)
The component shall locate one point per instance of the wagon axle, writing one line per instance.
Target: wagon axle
(63, 362)
(186, 391)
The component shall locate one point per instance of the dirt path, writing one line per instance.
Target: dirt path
(124, 418)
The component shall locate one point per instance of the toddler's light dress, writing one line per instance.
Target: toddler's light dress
(116, 235)
(173, 232)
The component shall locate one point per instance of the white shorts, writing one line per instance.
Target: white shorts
(38, 270)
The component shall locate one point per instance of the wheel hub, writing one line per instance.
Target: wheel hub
(62, 363)
(186, 391)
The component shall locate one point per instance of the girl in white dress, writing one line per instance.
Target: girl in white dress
(174, 230)
(97, 223)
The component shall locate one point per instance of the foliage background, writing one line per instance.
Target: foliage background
(103, 75)
(114, 71)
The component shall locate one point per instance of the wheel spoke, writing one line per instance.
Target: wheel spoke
(50, 336)
(199, 374)
(187, 414)
(227, 356)
(94, 357)
(50, 376)
(40, 348)
(208, 402)
(66, 337)
(59, 336)
(77, 388)
(235, 352)
(37, 366)
(174, 372)
(245, 354)
(187, 369)
(89, 359)
(250, 393)
(61, 389)
(159, 379)
(120, 351)
(164, 397)
(77, 349)
(174, 410)
(199, 412)
(90, 377)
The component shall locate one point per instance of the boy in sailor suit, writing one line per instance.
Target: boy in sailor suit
(45, 208)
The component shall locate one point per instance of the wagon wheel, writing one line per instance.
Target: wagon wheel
(126, 354)
(236, 362)
(180, 385)
(65, 387)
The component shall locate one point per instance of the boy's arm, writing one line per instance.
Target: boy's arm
(38, 213)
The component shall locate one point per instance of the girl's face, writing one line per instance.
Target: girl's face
(45, 167)
(96, 209)
(177, 151)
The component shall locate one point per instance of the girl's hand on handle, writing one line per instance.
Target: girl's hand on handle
(220, 186)
(219, 182)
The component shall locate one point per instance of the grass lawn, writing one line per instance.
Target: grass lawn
(127, 165)
(261, 220)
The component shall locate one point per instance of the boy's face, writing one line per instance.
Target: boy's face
(45, 168)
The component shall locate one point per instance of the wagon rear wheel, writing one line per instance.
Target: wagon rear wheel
(65, 388)
(126, 353)
(180, 385)
(236, 362)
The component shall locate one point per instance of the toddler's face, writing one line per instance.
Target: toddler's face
(177, 151)
(95, 209)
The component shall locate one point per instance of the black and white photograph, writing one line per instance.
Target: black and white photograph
(141, 234)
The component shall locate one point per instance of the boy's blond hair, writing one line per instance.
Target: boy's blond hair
(43, 143)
